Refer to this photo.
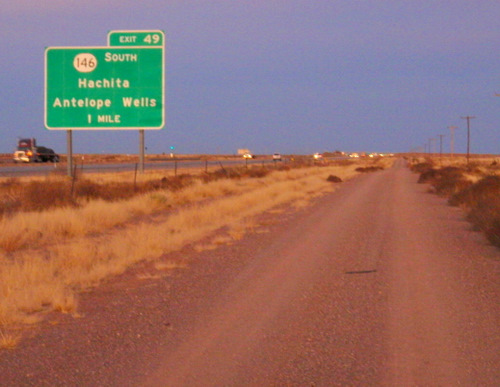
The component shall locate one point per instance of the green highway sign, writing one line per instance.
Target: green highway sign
(136, 38)
(105, 87)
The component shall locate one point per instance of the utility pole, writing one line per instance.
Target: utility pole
(432, 148)
(441, 145)
(468, 118)
(452, 140)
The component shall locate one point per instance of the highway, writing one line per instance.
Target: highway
(38, 169)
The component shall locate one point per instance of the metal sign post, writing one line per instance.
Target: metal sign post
(69, 144)
(141, 151)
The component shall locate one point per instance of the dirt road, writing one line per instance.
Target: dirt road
(379, 283)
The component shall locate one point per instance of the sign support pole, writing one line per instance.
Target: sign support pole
(141, 150)
(69, 142)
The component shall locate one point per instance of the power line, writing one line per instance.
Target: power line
(441, 145)
(468, 118)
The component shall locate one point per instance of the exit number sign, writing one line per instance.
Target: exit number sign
(136, 38)
(119, 87)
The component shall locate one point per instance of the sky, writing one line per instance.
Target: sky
(287, 76)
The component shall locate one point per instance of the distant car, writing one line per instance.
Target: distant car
(277, 157)
(317, 156)
(248, 156)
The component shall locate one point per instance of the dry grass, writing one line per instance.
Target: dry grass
(9, 340)
(475, 187)
(47, 257)
(482, 202)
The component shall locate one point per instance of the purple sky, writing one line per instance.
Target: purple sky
(295, 76)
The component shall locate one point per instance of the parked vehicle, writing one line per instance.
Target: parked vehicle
(277, 157)
(28, 152)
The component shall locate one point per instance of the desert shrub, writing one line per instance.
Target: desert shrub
(451, 180)
(482, 200)
(10, 182)
(341, 162)
(474, 167)
(257, 172)
(9, 204)
(282, 167)
(177, 183)
(237, 173)
(494, 166)
(334, 179)
(486, 217)
(445, 181)
(428, 176)
(221, 173)
(369, 169)
(41, 195)
(485, 190)
(86, 189)
(9, 199)
(300, 161)
(212, 176)
(173, 183)
(421, 167)
(113, 191)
